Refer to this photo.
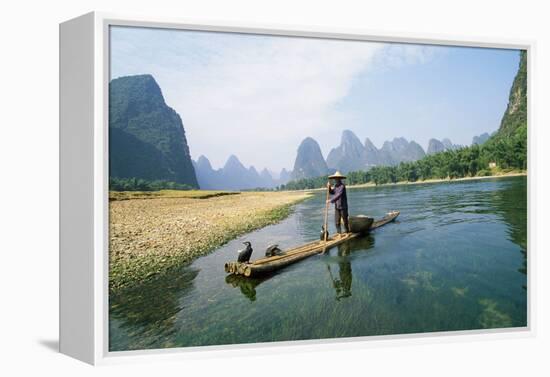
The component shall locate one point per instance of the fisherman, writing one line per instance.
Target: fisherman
(340, 200)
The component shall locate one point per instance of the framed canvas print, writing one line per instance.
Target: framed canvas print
(224, 187)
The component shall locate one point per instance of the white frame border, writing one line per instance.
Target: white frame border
(102, 355)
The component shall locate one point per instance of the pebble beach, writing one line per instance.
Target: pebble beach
(148, 236)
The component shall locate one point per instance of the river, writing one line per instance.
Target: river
(455, 259)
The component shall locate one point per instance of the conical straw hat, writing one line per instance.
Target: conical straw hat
(337, 175)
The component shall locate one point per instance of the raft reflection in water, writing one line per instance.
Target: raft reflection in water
(340, 281)
(246, 285)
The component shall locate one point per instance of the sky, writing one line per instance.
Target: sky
(259, 96)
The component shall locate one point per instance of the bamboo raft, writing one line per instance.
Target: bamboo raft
(270, 264)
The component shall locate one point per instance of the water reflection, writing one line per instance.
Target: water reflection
(246, 285)
(511, 205)
(342, 286)
(343, 281)
(147, 313)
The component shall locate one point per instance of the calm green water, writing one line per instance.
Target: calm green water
(454, 260)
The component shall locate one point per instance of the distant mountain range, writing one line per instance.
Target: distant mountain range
(147, 140)
(235, 176)
(436, 146)
(399, 150)
(352, 155)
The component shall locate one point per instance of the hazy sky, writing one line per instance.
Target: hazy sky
(258, 97)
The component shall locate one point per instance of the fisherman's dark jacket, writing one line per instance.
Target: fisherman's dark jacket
(340, 198)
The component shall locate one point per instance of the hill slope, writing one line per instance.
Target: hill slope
(309, 160)
(146, 137)
(349, 155)
(514, 120)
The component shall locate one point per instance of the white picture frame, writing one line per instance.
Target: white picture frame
(84, 78)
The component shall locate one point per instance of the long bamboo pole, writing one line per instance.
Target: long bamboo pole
(326, 213)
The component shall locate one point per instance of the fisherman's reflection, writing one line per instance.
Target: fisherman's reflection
(342, 285)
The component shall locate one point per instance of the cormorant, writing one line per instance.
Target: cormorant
(245, 254)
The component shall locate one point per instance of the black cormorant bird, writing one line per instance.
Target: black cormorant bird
(244, 254)
(273, 250)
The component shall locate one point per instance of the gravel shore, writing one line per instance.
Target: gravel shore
(150, 236)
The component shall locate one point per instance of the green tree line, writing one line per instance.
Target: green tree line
(138, 184)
